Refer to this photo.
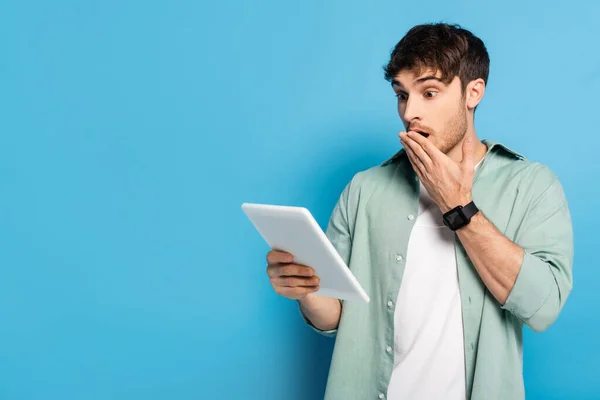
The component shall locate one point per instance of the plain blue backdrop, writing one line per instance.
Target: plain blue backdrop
(132, 131)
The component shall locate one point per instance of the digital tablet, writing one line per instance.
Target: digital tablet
(295, 231)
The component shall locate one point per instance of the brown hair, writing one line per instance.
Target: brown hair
(449, 49)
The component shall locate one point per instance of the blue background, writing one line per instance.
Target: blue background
(132, 131)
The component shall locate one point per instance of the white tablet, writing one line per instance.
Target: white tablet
(295, 231)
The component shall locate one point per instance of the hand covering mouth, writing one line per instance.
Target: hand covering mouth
(422, 133)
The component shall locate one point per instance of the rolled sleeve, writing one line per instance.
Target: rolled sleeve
(545, 279)
(533, 298)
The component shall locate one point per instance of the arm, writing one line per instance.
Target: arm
(496, 259)
(532, 277)
(323, 313)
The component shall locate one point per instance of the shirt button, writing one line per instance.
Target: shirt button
(388, 349)
(381, 395)
(399, 258)
(472, 346)
(390, 304)
(411, 217)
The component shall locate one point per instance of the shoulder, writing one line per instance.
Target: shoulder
(368, 180)
(534, 178)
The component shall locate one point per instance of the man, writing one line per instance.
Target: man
(459, 243)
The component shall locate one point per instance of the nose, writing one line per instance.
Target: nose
(411, 110)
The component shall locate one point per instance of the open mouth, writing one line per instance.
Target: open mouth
(417, 130)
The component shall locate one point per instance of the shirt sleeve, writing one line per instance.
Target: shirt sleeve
(338, 233)
(545, 279)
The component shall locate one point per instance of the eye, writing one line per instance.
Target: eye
(430, 94)
(401, 96)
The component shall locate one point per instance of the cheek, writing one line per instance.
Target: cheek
(401, 110)
(446, 115)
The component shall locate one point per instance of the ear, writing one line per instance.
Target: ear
(474, 93)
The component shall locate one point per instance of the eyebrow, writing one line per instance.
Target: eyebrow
(424, 79)
(428, 78)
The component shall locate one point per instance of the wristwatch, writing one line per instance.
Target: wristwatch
(460, 216)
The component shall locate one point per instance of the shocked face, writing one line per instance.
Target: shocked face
(431, 107)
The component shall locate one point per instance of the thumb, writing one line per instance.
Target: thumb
(468, 152)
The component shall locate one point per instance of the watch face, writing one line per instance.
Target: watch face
(455, 219)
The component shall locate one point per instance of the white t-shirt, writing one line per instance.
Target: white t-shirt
(428, 345)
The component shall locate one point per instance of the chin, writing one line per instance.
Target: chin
(439, 146)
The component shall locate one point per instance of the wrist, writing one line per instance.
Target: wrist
(477, 221)
(307, 300)
(460, 216)
(463, 200)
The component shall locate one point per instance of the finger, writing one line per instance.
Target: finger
(417, 146)
(468, 150)
(276, 270)
(295, 292)
(296, 270)
(295, 281)
(414, 160)
(279, 257)
(425, 144)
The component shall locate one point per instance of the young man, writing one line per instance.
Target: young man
(459, 243)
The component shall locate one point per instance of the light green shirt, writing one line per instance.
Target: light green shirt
(370, 226)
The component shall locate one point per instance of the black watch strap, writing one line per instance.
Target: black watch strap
(470, 209)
